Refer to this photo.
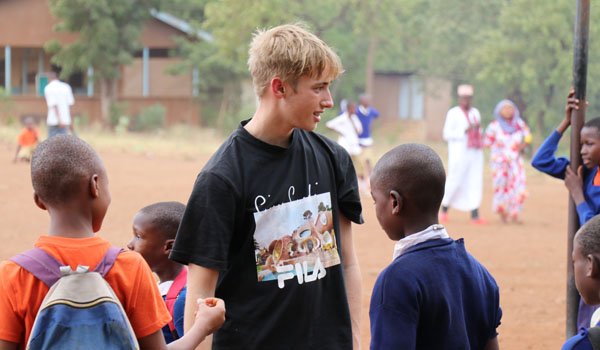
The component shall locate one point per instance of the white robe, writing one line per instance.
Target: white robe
(464, 183)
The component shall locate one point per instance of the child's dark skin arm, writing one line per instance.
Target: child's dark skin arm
(574, 183)
(209, 317)
(492, 344)
(572, 104)
(6, 345)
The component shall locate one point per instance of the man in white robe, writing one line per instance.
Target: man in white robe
(464, 183)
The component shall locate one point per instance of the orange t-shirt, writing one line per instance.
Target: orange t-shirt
(28, 137)
(21, 294)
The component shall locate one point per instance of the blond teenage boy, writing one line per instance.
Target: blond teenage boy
(268, 224)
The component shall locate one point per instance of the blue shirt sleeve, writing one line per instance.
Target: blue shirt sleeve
(178, 311)
(545, 160)
(584, 212)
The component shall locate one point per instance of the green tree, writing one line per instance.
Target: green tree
(108, 36)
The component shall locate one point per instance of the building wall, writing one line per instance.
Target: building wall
(435, 101)
(28, 23)
(438, 99)
(161, 82)
(386, 91)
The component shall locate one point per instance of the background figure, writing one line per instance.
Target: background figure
(26, 141)
(507, 136)
(366, 114)
(59, 99)
(462, 131)
(348, 127)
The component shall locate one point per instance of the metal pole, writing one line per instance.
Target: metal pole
(580, 57)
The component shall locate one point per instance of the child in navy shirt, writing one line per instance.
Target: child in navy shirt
(583, 186)
(586, 268)
(434, 294)
(154, 230)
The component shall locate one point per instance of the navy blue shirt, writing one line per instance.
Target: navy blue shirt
(580, 341)
(434, 296)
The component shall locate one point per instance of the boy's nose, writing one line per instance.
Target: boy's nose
(130, 245)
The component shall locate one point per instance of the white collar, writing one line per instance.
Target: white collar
(435, 231)
(164, 287)
(364, 110)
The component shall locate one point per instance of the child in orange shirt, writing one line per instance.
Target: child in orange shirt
(70, 182)
(26, 142)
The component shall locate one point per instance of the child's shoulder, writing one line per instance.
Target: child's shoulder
(579, 341)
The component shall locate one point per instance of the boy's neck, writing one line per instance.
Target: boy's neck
(267, 126)
(167, 271)
(70, 223)
(419, 225)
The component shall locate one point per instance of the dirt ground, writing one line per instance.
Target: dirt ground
(528, 260)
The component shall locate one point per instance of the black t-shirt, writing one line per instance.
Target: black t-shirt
(267, 218)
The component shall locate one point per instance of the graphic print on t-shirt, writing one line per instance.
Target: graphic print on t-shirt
(295, 241)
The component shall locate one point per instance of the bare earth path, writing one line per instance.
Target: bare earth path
(528, 261)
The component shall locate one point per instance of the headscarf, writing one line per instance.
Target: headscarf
(508, 126)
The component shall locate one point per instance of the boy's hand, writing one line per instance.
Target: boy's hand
(573, 104)
(574, 183)
(211, 314)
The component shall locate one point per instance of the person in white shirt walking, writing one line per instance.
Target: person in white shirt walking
(59, 99)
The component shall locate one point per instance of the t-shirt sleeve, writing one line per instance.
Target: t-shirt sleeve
(207, 227)
(143, 304)
(347, 187)
(11, 324)
(394, 307)
(178, 312)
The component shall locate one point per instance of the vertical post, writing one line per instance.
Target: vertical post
(90, 81)
(7, 70)
(24, 71)
(195, 82)
(145, 71)
(580, 56)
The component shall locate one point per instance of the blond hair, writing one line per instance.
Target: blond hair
(290, 51)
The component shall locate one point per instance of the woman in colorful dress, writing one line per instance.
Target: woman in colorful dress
(507, 136)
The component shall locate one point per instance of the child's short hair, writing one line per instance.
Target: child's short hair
(588, 236)
(290, 52)
(593, 123)
(416, 172)
(165, 216)
(59, 165)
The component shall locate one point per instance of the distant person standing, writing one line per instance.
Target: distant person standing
(464, 184)
(59, 99)
(366, 114)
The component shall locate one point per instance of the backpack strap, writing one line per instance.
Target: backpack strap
(594, 337)
(46, 268)
(40, 264)
(178, 284)
(108, 260)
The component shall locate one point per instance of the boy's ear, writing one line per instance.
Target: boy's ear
(397, 202)
(169, 245)
(278, 87)
(38, 201)
(94, 186)
(593, 267)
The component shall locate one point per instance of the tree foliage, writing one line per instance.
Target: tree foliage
(108, 36)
